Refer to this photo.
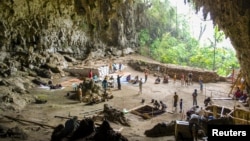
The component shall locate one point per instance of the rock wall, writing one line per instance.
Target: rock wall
(233, 17)
(39, 38)
(75, 27)
(32, 31)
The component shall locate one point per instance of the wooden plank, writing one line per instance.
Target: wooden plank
(222, 98)
(137, 107)
(242, 120)
(145, 116)
(240, 116)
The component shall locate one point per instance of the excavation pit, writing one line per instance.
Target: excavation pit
(147, 111)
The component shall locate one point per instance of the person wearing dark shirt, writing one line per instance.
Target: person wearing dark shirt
(105, 84)
(119, 82)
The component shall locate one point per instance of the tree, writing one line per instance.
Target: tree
(217, 38)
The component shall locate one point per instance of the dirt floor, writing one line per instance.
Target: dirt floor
(127, 98)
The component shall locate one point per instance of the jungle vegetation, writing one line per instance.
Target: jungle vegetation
(168, 39)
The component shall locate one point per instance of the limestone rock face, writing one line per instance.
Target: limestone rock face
(69, 26)
(233, 17)
(32, 31)
(39, 38)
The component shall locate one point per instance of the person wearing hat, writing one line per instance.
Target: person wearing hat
(195, 97)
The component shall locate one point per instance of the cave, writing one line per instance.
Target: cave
(83, 28)
(39, 39)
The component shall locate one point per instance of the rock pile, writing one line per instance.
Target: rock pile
(13, 133)
(114, 115)
(92, 93)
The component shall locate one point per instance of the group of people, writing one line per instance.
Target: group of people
(52, 86)
(175, 102)
(187, 79)
(159, 105)
(115, 67)
(85, 129)
(165, 79)
(242, 96)
(207, 101)
(110, 82)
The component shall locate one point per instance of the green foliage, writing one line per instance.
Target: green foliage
(168, 40)
(41, 97)
(218, 35)
(144, 37)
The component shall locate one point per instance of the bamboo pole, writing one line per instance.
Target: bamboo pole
(92, 112)
(239, 119)
(235, 83)
(37, 123)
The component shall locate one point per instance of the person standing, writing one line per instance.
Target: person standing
(158, 69)
(175, 101)
(140, 86)
(110, 68)
(90, 74)
(114, 67)
(174, 78)
(201, 83)
(79, 91)
(193, 126)
(120, 67)
(182, 79)
(119, 82)
(186, 81)
(190, 78)
(195, 97)
(181, 103)
(146, 75)
(105, 84)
